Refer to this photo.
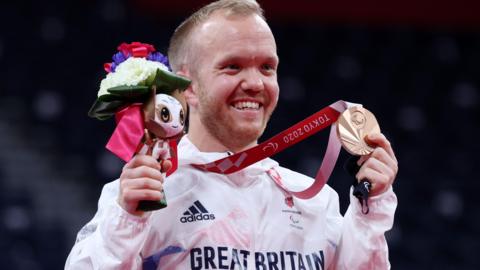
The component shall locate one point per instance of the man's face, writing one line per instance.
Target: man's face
(235, 80)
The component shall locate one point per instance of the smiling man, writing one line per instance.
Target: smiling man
(240, 220)
(232, 61)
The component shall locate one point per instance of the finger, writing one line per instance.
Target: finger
(388, 165)
(362, 159)
(379, 182)
(135, 195)
(142, 160)
(378, 139)
(141, 184)
(386, 170)
(166, 165)
(372, 175)
(378, 166)
(381, 155)
(142, 171)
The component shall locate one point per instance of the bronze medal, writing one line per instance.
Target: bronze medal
(352, 126)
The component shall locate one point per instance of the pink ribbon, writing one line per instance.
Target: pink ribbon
(129, 132)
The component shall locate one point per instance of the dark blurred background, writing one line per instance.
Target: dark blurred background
(415, 65)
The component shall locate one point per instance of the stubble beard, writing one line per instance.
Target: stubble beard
(224, 129)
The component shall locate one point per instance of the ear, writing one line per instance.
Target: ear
(191, 92)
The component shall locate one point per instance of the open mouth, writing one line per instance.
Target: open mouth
(246, 105)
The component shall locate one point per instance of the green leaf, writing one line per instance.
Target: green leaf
(108, 98)
(167, 82)
(129, 92)
(103, 110)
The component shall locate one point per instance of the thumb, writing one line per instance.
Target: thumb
(166, 165)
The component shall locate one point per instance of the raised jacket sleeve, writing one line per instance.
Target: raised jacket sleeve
(113, 239)
(362, 243)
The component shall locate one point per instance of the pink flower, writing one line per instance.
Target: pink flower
(136, 49)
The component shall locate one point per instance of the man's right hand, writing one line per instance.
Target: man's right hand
(141, 179)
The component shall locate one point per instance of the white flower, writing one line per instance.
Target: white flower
(133, 71)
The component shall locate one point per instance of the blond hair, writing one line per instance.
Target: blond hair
(178, 51)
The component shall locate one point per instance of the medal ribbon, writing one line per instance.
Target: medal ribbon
(322, 119)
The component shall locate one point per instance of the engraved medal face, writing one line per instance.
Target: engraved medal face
(352, 126)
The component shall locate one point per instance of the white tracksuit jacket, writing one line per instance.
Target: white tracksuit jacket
(237, 221)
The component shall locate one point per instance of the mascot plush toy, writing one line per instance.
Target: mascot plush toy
(147, 101)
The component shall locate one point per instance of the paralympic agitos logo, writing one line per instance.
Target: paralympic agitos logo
(196, 212)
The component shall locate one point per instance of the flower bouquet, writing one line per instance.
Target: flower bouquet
(147, 101)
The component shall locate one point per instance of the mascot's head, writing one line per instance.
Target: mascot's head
(169, 114)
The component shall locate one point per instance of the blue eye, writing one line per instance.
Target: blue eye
(233, 66)
(268, 67)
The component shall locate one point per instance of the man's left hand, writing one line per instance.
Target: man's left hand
(379, 167)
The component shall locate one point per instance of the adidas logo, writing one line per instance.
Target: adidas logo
(196, 212)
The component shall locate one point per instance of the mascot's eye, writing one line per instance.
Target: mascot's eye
(182, 117)
(165, 115)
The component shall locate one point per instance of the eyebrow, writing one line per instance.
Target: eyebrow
(236, 58)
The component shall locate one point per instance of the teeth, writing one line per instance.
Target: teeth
(246, 105)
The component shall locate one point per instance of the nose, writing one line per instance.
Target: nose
(252, 81)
